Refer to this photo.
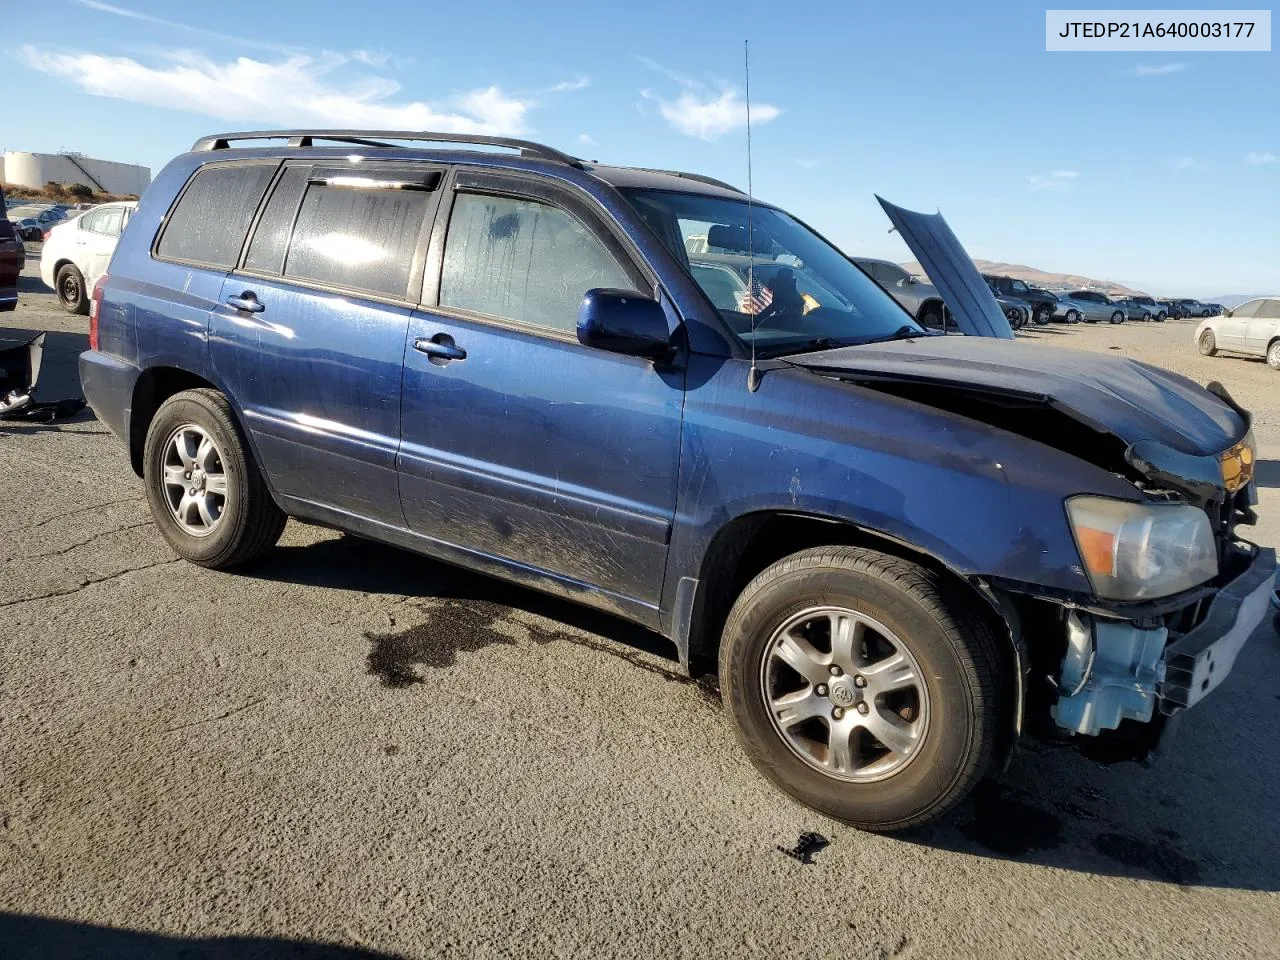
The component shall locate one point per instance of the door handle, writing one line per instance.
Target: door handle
(440, 347)
(247, 302)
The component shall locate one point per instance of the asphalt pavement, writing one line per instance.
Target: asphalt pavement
(350, 751)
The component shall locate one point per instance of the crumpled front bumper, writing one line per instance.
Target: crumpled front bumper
(1198, 661)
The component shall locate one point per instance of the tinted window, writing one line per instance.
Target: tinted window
(1017, 286)
(1246, 310)
(107, 221)
(209, 224)
(1269, 309)
(357, 237)
(271, 238)
(522, 260)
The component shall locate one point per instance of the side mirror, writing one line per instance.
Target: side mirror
(623, 321)
(1227, 313)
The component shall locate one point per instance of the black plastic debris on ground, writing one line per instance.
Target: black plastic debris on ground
(19, 375)
(806, 848)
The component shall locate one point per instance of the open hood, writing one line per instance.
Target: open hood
(973, 305)
(1006, 383)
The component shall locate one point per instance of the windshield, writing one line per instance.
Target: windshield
(775, 282)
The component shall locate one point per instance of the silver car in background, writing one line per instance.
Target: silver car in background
(1090, 307)
(1253, 329)
(918, 297)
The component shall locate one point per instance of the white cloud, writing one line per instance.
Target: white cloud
(128, 14)
(1157, 70)
(1258, 159)
(709, 117)
(1186, 163)
(701, 111)
(297, 89)
(569, 86)
(806, 164)
(1053, 180)
(371, 58)
(586, 140)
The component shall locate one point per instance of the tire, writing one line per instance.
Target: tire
(69, 284)
(1073, 316)
(1042, 316)
(1160, 318)
(956, 659)
(246, 522)
(1208, 344)
(1117, 317)
(1273, 355)
(1206, 314)
(1015, 319)
(931, 317)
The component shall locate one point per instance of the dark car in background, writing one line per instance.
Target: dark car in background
(13, 255)
(1174, 308)
(901, 550)
(1042, 303)
(1149, 307)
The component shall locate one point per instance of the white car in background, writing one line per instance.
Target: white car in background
(1253, 328)
(76, 252)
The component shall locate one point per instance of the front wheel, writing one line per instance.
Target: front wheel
(1208, 344)
(1273, 355)
(1043, 315)
(862, 686)
(71, 293)
(1117, 317)
(931, 317)
(206, 494)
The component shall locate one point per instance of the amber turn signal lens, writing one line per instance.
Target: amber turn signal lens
(1238, 465)
(1098, 550)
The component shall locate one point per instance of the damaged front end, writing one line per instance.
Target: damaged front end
(1106, 669)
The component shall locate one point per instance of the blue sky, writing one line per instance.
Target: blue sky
(1157, 169)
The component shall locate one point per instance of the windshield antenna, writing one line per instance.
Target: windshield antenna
(753, 375)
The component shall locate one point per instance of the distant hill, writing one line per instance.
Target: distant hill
(1231, 300)
(1057, 282)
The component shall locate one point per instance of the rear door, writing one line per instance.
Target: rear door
(310, 329)
(1263, 327)
(519, 442)
(96, 238)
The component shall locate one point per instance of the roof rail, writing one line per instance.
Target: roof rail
(374, 138)
(712, 181)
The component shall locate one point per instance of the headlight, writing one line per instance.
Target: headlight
(1237, 464)
(1137, 551)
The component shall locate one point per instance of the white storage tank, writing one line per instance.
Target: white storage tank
(36, 169)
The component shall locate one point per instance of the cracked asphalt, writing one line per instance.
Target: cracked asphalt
(349, 751)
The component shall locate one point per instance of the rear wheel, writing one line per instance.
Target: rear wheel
(1073, 316)
(1043, 315)
(931, 316)
(1208, 344)
(862, 686)
(206, 494)
(71, 293)
(1273, 355)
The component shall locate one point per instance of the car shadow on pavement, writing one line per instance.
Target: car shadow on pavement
(26, 937)
(1267, 473)
(477, 606)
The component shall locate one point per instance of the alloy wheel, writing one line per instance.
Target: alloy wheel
(195, 481)
(845, 694)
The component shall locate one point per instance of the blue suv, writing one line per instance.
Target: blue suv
(649, 393)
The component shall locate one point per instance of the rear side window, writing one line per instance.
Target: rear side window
(358, 236)
(107, 221)
(523, 261)
(1268, 310)
(209, 224)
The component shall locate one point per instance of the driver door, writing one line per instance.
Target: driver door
(518, 442)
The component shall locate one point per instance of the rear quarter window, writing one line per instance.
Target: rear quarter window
(209, 223)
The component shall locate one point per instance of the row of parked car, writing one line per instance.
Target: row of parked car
(1025, 304)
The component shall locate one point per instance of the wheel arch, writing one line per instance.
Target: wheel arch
(153, 387)
(750, 542)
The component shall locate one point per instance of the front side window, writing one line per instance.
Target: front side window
(773, 280)
(209, 224)
(522, 260)
(1018, 286)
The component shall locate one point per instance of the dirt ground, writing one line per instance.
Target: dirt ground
(348, 751)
